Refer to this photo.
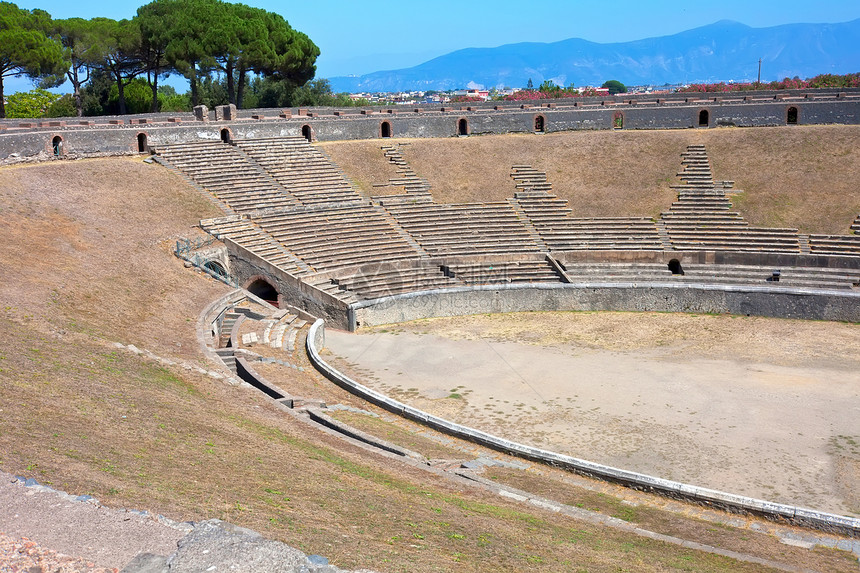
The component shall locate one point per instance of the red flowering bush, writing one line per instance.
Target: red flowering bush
(820, 81)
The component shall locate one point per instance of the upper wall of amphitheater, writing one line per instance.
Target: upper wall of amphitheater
(138, 133)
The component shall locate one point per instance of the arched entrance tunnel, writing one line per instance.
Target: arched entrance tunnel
(263, 289)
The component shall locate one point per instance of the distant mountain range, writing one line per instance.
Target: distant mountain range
(722, 51)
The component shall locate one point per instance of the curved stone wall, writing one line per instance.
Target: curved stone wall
(120, 134)
(810, 304)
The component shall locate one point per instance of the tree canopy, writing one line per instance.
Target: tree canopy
(192, 38)
(614, 87)
(26, 48)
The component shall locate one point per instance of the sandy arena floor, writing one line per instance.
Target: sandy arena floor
(761, 407)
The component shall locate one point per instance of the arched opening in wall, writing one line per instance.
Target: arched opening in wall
(57, 146)
(675, 267)
(307, 133)
(540, 124)
(463, 127)
(791, 116)
(385, 129)
(142, 144)
(262, 289)
(215, 267)
(618, 120)
(704, 118)
(226, 136)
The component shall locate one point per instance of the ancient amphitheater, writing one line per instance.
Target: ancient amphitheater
(308, 250)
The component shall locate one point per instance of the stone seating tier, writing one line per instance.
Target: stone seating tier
(395, 281)
(835, 244)
(221, 170)
(245, 234)
(504, 272)
(464, 228)
(300, 168)
(338, 236)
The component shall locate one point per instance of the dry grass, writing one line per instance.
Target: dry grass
(798, 176)
(86, 262)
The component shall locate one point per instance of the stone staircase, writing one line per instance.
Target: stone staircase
(416, 189)
(702, 219)
(549, 218)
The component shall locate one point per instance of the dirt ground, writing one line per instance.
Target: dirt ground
(766, 408)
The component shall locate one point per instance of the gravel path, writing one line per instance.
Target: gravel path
(42, 530)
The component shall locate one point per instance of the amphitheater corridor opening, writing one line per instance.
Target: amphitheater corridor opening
(57, 145)
(675, 267)
(704, 118)
(385, 129)
(142, 143)
(791, 116)
(618, 120)
(463, 127)
(225, 135)
(306, 133)
(216, 268)
(262, 289)
(539, 123)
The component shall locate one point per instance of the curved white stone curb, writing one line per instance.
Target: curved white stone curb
(727, 501)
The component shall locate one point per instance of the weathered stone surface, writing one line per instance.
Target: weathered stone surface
(215, 545)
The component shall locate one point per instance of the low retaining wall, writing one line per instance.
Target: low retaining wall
(712, 498)
(808, 304)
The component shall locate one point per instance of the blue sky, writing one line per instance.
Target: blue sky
(359, 37)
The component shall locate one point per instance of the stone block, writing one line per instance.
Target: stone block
(201, 113)
(258, 116)
(285, 114)
(26, 124)
(366, 112)
(174, 120)
(418, 110)
(115, 122)
(225, 112)
(303, 111)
